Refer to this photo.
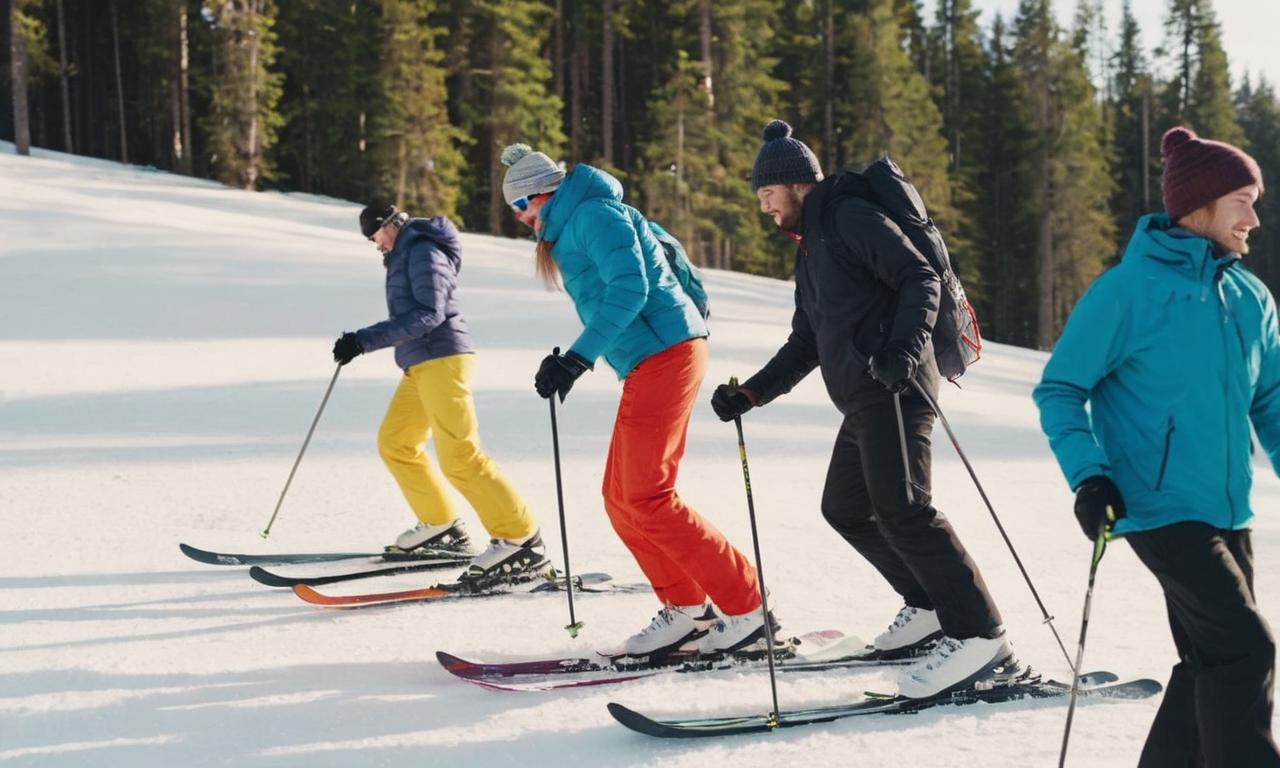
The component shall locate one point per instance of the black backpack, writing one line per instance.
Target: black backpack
(957, 343)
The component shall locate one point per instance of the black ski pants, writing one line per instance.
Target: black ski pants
(909, 542)
(1216, 710)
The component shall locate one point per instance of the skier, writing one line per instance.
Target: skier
(432, 344)
(638, 318)
(1176, 349)
(865, 305)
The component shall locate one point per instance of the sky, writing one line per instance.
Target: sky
(1248, 28)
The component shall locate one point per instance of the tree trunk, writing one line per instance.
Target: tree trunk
(496, 199)
(184, 84)
(402, 170)
(250, 109)
(575, 86)
(115, 46)
(1044, 240)
(828, 85)
(704, 33)
(18, 62)
(558, 49)
(67, 145)
(1146, 150)
(606, 82)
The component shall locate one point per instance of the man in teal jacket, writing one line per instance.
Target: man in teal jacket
(1176, 350)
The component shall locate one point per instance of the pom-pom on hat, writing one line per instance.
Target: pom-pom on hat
(1198, 171)
(783, 160)
(528, 172)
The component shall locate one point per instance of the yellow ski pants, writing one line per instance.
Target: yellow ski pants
(434, 401)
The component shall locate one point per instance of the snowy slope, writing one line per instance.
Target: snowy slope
(164, 345)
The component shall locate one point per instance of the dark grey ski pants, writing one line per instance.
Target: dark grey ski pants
(909, 542)
(1216, 710)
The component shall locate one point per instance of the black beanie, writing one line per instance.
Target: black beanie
(783, 160)
(375, 215)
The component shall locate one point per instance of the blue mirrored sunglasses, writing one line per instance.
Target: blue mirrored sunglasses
(521, 204)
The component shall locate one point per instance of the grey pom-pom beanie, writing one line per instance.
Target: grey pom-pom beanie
(528, 172)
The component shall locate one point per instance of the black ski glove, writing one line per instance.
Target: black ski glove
(558, 372)
(1098, 502)
(346, 349)
(894, 367)
(730, 402)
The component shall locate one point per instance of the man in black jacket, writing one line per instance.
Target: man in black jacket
(866, 301)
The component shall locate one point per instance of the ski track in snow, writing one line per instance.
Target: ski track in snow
(166, 342)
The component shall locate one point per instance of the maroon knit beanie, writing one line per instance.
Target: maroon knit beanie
(1198, 171)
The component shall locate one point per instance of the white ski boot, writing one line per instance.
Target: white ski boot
(912, 626)
(507, 560)
(446, 537)
(954, 664)
(732, 633)
(672, 627)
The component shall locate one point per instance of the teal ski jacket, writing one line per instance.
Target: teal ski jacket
(1174, 350)
(615, 270)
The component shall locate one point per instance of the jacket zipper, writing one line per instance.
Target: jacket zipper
(1164, 459)
(1226, 392)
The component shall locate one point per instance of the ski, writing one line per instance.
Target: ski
(271, 579)
(586, 582)
(222, 558)
(811, 652)
(1099, 685)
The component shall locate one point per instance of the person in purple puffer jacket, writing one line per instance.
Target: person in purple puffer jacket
(433, 346)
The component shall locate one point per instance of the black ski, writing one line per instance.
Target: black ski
(1096, 685)
(263, 576)
(222, 558)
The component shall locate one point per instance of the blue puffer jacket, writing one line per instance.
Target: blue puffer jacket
(1175, 350)
(616, 272)
(422, 275)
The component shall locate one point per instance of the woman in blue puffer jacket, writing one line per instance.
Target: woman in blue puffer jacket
(637, 317)
(433, 401)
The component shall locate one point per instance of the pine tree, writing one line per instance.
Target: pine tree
(510, 97)
(418, 155)
(1135, 150)
(1259, 111)
(1199, 93)
(330, 52)
(889, 109)
(242, 120)
(960, 78)
(1006, 138)
(1067, 168)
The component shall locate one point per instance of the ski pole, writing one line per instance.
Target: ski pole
(1048, 619)
(1099, 548)
(267, 531)
(755, 543)
(573, 625)
(902, 443)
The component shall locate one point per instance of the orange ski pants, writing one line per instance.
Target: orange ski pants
(684, 557)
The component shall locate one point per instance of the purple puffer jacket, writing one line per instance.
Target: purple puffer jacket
(422, 275)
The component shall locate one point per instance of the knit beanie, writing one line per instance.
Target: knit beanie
(1198, 171)
(528, 173)
(783, 160)
(375, 214)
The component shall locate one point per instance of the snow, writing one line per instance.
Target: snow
(165, 344)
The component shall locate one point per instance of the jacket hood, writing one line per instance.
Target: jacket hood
(439, 230)
(1158, 239)
(583, 183)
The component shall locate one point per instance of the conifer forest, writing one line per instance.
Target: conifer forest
(1035, 144)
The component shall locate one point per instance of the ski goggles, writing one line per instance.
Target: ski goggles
(521, 204)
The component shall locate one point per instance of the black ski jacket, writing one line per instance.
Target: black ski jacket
(860, 288)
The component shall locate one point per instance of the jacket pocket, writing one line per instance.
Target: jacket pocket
(1164, 456)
